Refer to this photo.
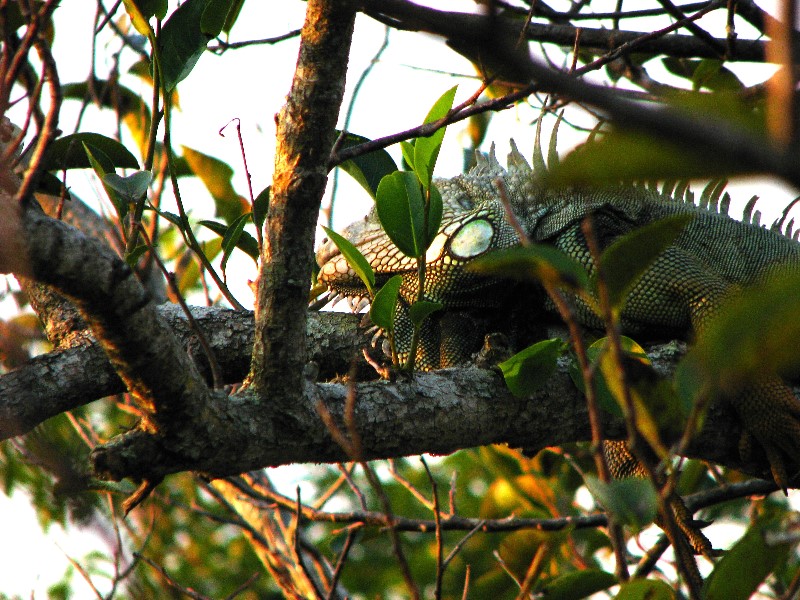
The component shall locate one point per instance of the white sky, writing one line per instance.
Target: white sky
(251, 84)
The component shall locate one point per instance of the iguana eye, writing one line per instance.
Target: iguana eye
(472, 239)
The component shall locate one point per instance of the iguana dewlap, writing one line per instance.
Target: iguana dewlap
(713, 258)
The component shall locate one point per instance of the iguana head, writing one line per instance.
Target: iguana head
(473, 223)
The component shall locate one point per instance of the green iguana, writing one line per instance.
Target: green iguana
(712, 258)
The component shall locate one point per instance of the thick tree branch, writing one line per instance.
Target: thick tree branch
(305, 135)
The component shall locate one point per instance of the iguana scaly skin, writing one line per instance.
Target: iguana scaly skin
(714, 257)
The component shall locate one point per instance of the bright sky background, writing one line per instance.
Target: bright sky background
(251, 84)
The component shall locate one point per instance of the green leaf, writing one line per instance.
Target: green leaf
(401, 212)
(527, 371)
(577, 585)
(217, 176)
(426, 149)
(260, 206)
(132, 188)
(233, 15)
(354, 258)
(67, 152)
(624, 262)
(102, 165)
(420, 310)
(215, 15)
(383, 305)
(182, 42)
(232, 239)
(632, 501)
(706, 73)
(407, 148)
(435, 208)
(243, 240)
(753, 334)
(367, 169)
(645, 589)
(133, 257)
(535, 262)
(741, 570)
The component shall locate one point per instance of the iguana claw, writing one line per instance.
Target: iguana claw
(770, 415)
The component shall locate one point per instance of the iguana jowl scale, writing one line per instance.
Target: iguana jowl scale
(714, 257)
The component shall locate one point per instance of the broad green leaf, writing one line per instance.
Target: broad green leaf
(407, 148)
(182, 42)
(420, 310)
(215, 15)
(535, 262)
(426, 149)
(367, 169)
(232, 237)
(233, 15)
(383, 305)
(216, 175)
(244, 241)
(753, 334)
(102, 166)
(645, 589)
(577, 585)
(354, 258)
(435, 208)
(528, 370)
(260, 207)
(624, 262)
(132, 188)
(741, 570)
(67, 152)
(632, 501)
(401, 212)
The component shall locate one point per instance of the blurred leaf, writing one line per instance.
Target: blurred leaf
(407, 149)
(216, 175)
(632, 501)
(743, 567)
(577, 585)
(243, 240)
(626, 260)
(134, 110)
(420, 310)
(528, 370)
(354, 258)
(139, 12)
(706, 73)
(534, 262)
(182, 42)
(189, 275)
(367, 169)
(753, 334)
(426, 149)
(401, 212)
(133, 257)
(133, 187)
(645, 589)
(383, 305)
(67, 152)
